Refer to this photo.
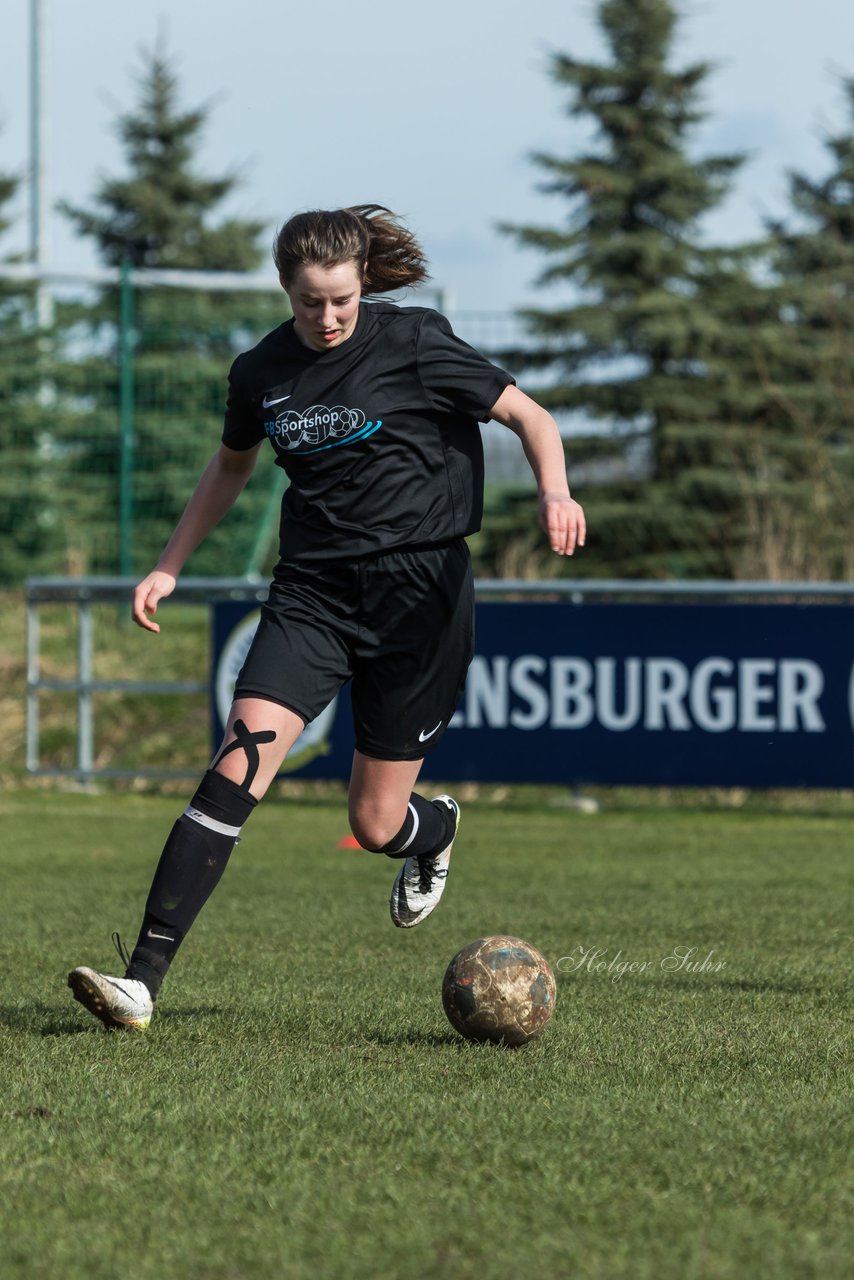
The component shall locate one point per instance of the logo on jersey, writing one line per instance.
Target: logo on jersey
(318, 428)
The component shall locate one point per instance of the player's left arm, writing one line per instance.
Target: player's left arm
(561, 517)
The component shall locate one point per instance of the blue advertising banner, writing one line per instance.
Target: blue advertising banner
(636, 694)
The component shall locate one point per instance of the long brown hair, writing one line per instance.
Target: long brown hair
(385, 251)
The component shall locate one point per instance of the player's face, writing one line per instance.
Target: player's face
(325, 303)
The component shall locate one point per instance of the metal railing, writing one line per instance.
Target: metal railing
(84, 593)
(87, 592)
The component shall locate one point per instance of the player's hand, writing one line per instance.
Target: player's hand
(562, 519)
(147, 596)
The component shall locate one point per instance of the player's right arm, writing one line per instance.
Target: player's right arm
(220, 484)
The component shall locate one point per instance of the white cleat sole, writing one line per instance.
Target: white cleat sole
(104, 999)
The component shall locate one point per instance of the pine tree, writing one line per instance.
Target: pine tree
(642, 350)
(801, 513)
(28, 514)
(163, 214)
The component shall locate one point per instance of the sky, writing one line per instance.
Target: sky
(432, 109)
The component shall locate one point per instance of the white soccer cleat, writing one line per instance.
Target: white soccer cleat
(118, 1002)
(420, 882)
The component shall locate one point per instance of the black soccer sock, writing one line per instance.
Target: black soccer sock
(190, 867)
(428, 828)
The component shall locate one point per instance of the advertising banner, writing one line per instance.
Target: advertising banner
(635, 694)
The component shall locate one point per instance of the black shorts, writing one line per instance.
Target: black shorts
(400, 625)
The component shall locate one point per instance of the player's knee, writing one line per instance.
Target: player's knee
(258, 785)
(371, 835)
(250, 759)
(373, 827)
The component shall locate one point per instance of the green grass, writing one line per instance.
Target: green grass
(300, 1107)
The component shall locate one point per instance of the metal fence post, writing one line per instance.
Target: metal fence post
(33, 675)
(126, 424)
(266, 526)
(85, 751)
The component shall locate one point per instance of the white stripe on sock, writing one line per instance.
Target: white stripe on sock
(211, 823)
(415, 825)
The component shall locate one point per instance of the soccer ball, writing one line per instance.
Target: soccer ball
(500, 989)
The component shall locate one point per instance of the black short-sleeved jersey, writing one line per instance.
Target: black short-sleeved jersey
(378, 436)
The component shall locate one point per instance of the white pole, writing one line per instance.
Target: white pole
(38, 164)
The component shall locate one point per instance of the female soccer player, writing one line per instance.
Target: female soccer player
(372, 410)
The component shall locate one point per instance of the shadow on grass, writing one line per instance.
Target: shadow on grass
(48, 1020)
(41, 1020)
(421, 1038)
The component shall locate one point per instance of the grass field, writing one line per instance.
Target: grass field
(300, 1107)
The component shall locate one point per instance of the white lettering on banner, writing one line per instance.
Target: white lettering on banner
(524, 685)
(666, 686)
(712, 709)
(753, 695)
(801, 686)
(572, 702)
(487, 694)
(609, 716)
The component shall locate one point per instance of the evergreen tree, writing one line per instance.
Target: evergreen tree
(158, 216)
(801, 514)
(163, 214)
(643, 350)
(28, 514)
(8, 189)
